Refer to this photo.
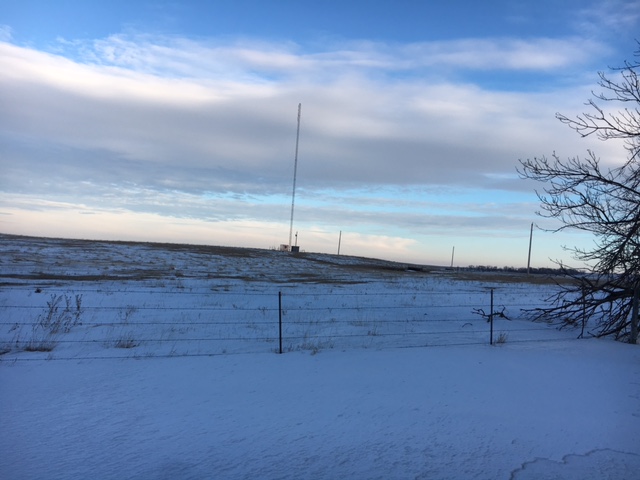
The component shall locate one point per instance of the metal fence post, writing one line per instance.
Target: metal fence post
(280, 319)
(584, 311)
(491, 320)
(634, 315)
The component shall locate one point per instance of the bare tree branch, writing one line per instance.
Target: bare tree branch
(604, 202)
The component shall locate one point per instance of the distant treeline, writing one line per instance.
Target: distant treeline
(540, 271)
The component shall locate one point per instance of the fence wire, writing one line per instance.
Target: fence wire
(102, 323)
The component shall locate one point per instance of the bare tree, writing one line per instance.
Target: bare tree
(583, 195)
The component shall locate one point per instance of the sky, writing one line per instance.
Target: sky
(176, 121)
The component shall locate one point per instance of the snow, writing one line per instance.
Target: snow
(552, 408)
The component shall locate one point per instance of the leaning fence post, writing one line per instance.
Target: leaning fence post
(280, 319)
(491, 320)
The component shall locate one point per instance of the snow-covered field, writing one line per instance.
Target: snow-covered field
(72, 299)
(163, 364)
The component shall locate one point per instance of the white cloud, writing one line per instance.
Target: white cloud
(544, 54)
(356, 128)
(250, 60)
(612, 16)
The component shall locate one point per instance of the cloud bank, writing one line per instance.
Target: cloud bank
(393, 136)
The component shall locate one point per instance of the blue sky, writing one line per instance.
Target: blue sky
(176, 121)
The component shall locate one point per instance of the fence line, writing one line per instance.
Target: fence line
(213, 322)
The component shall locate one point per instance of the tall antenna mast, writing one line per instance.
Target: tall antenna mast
(295, 172)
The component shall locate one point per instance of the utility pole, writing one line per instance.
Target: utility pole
(295, 172)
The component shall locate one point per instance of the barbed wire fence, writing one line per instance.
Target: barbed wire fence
(137, 323)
